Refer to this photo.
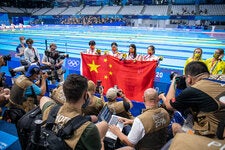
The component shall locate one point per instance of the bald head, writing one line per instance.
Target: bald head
(150, 95)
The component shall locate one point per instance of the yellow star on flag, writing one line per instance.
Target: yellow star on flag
(105, 77)
(110, 65)
(93, 66)
(105, 60)
(110, 72)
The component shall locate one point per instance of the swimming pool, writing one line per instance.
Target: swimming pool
(175, 45)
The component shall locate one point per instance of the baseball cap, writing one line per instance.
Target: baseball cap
(33, 69)
(111, 94)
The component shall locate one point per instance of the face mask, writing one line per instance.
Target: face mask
(216, 56)
(87, 101)
(23, 41)
(197, 55)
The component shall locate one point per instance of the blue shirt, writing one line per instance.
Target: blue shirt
(28, 91)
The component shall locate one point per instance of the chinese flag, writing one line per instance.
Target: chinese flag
(133, 77)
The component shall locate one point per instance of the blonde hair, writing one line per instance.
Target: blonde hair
(91, 86)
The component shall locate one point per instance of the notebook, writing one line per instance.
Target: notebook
(111, 119)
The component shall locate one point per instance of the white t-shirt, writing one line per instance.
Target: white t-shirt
(137, 132)
(89, 51)
(150, 58)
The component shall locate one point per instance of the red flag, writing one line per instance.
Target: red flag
(133, 77)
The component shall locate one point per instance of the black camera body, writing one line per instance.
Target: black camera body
(118, 91)
(56, 54)
(5, 59)
(179, 81)
(98, 86)
(2, 79)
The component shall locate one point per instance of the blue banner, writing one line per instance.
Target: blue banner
(73, 64)
(163, 74)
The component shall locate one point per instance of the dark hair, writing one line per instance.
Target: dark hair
(92, 42)
(221, 51)
(135, 51)
(195, 68)
(153, 48)
(74, 86)
(29, 41)
(114, 44)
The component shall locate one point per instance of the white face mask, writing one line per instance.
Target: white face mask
(23, 41)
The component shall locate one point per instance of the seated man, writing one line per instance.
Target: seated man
(120, 108)
(96, 103)
(149, 130)
(75, 90)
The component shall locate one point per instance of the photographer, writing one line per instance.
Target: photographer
(24, 92)
(203, 96)
(52, 60)
(31, 54)
(120, 108)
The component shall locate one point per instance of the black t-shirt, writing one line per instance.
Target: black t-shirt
(195, 99)
(126, 106)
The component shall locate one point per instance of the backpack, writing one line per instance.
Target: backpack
(44, 138)
(13, 114)
(26, 125)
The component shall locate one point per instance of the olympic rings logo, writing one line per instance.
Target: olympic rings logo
(73, 63)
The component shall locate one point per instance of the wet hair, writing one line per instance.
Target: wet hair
(114, 44)
(135, 51)
(74, 86)
(153, 48)
(29, 41)
(92, 42)
(198, 49)
(221, 51)
(52, 44)
(195, 68)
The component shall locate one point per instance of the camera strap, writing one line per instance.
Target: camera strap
(214, 80)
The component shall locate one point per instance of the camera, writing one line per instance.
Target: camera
(4, 60)
(98, 87)
(56, 54)
(179, 81)
(118, 91)
(2, 79)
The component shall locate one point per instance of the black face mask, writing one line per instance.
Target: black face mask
(87, 101)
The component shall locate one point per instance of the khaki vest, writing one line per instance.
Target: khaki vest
(207, 122)
(58, 95)
(183, 141)
(18, 89)
(66, 112)
(94, 108)
(155, 122)
(119, 110)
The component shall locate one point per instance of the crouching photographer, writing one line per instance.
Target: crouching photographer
(204, 96)
(25, 93)
(54, 60)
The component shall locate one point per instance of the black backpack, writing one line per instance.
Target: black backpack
(44, 138)
(26, 125)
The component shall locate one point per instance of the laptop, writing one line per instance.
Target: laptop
(108, 116)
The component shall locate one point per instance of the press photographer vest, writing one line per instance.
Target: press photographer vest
(206, 123)
(64, 112)
(58, 95)
(94, 108)
(118, 109)
(18, 89)
(155, 122)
